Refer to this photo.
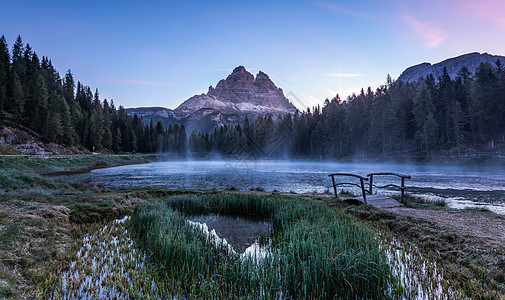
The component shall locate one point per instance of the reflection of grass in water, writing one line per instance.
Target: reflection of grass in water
(316, 252)
(241, 233)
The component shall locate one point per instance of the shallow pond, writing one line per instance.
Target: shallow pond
(244, 235)
(461, 186)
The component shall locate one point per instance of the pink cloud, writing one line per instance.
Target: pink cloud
(342, 9)
(492, 10)
(127, 82)
(431, 35)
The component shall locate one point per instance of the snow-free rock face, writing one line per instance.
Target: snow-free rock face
(453, 65)
(240, 93)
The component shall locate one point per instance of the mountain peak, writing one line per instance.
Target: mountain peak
(452, 65)
(263, 82)
(239, 94)
(239, 70)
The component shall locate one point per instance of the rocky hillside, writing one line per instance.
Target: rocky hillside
(453, 65)
(233, 98)
(18, 140)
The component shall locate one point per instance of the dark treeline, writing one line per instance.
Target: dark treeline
(443, 116)
(33, 95)
(411, 120)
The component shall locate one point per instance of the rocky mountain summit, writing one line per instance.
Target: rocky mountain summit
(453, 65)
(239, 95)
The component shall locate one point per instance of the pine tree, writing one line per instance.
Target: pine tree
(485, 103)
(116, 141)
(4, 71)
(194, 143)
(458, 119)
(182, 142)
(107, 125)
(17, 57)
(15, 103)
(157, 133)
(68, 132)
(54, 128)
(41, 113)
(446, 93)
(430, 134)
(423, 112)
(31, 87)
(96, 128)
(96, 99)
(68, 91)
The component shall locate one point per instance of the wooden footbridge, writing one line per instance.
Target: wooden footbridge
(366, 185)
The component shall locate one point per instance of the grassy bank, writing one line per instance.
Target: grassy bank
(70, 163)
(40, 218)
(31, 175)
(315, 252)
(473, 263)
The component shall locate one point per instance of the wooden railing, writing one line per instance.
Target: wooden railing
(402, 187)
(369, 179)
(361, 185)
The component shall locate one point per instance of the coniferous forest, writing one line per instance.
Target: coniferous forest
(33, 95)
(432, 116)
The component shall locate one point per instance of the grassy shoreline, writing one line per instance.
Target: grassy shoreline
(42, 222)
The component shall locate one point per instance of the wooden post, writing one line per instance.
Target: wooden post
(403, 189)
(371, 182)
(334, 186)
(363, 190)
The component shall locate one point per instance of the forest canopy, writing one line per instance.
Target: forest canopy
(447, 116)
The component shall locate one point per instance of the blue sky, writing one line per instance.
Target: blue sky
(159, 53)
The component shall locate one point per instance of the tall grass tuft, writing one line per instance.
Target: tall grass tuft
(316, 252)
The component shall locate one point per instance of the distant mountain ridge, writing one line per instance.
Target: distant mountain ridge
(453, 65)
(239, 95)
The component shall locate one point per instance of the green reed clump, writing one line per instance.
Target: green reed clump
(315, 253)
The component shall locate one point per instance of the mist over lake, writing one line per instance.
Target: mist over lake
(461, 186)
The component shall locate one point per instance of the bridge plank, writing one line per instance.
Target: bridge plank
(378, 201)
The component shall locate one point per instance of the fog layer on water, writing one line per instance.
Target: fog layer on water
(461, 186)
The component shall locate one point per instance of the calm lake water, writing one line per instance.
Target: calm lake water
(461, 186)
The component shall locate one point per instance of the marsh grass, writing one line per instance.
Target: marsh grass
(418, 277)
(315, 252)
(107, 265)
